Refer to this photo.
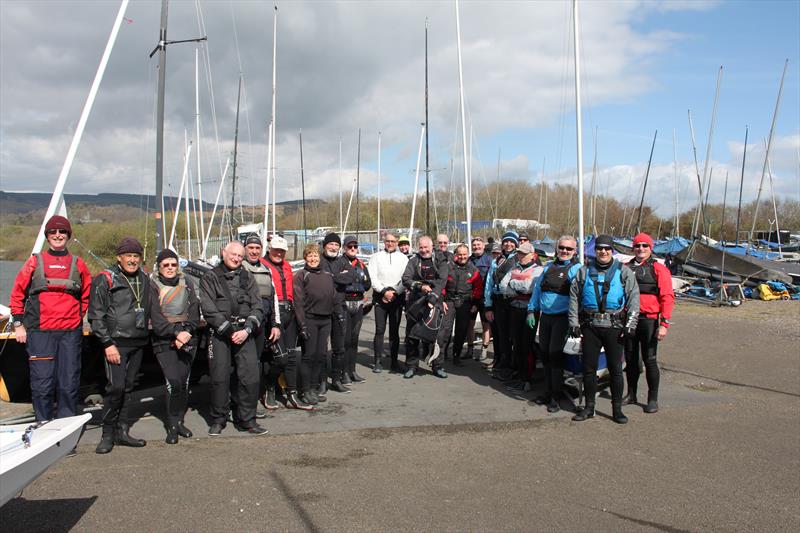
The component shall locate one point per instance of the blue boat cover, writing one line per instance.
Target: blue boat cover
(670, 246)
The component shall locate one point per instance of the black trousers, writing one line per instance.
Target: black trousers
(176, 365)
(291, 369)
(646, 344)
(391, 312)
(522, 339)
(54, 360)
(121, 381)
(315, 348)
(501, 329)
(595, 339)
(460, 317)
(552, 333)
(234, 378)
(353, 318)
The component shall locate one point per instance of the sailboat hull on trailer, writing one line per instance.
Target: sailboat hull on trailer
(748, 268)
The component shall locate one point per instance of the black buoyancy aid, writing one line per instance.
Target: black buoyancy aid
(263, 276)
(504, 264)
(173, 299)
(358, 286)
(219, 272)
(40, 282)
(645, 276)
(425, 271)
(556, 278)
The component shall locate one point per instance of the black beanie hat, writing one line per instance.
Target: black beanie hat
(129, 245)
(332, 237)
(165, 254)
(604, 240)
(253, 239)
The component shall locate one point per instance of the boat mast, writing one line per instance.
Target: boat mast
(274, 130)
(705, 185)
(769, 147)
(741, 186)
(699, 181)
(721, 237)
(303, 188)
(232, 212)
(358, 182)
(341, 211)
(578, 128)
(644, 187)
(427, 150)
(416, 186)
(676, 227)
(57, 199)
(197, 143)
(463, 127)
(379, 189)
(775, 210)
(161, 48)
(593, 191)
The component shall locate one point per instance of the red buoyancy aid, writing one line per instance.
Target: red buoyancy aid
(282, 278)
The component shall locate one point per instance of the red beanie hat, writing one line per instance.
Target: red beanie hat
(58, 222)
(643, 238)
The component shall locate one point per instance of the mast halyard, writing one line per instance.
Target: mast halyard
(427, 150)
(232, 212)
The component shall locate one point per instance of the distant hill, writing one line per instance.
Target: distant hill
(24, 202)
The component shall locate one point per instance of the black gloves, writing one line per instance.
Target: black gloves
(575, 331)
(304, 333)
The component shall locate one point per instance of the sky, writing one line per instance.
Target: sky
(356, 64)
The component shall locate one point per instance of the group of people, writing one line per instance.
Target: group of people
(275, 336)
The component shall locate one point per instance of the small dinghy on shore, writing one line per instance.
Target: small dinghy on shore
(27, 450)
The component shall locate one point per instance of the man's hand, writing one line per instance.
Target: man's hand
(473, 309)
(426, 289)
(182, 338)
(444, 307)
(21, 334)
(530, 320)
(274, 334)
(662, 332)
(389, 296)
(112, 355)
(575, 332)
(490, 315)
(239, 337)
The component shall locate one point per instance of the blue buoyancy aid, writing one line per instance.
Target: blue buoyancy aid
(603, 290)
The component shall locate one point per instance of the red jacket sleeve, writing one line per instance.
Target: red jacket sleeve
(20, 288)
(477, 286)
(666, 294)
(86, 285)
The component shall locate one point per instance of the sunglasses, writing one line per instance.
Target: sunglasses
(352, 246)
(523, 239)
(566, 248)
(57, 232)
(169, 265)
(603, 248)
(641, 246)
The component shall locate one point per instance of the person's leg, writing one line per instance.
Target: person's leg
(68, 371)
(42, 347)
(356, 319)
(395, 315)
(632, 366)
(247, 374)
(412, 347)
(614, 355)
(592, 344)
(219, 366)
(461, 330)
(131, 358)
(173, 372)
(381, 313)
(652, 373)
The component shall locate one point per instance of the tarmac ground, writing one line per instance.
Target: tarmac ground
(467, 454)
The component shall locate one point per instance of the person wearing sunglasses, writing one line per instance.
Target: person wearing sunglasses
(482, 261)
(603, 310)
(656, 301)
(48, 300)
(175, 317)
(386, 269)
(353, 281)
(119, 313)
(550, 300)
(334, 263)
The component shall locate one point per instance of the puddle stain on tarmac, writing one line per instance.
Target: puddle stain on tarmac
(327, 462)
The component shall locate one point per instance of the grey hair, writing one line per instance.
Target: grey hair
(567, 238)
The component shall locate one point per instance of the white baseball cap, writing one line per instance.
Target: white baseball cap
(278, 243)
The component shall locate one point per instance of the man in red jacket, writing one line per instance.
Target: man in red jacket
(656, 300)
(48, 301)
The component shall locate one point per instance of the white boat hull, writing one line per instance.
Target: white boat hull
(21, 465)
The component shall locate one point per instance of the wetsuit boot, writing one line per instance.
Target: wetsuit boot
(172, 435)
(586, 413)
(652, 402)
(616, 413)
(106, 443)
(124, 438)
